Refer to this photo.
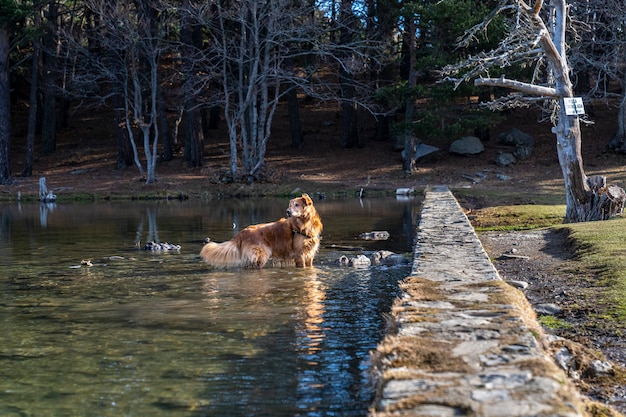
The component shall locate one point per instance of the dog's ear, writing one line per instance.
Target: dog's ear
(307, 199)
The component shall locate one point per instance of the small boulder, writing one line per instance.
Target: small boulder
(343, 261)
(469, 145)
(515, 137)
(598, 368)
(523, 151)
(504, 159)
(388, 258)
(548, 309)
(378, 256)
(422, 150)
(360, 261)
(376, 235)
(161, 247)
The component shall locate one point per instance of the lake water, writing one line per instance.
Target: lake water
(139, 333)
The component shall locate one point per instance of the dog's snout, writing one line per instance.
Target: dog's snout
(288, 213)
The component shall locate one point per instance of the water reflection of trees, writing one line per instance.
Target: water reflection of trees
(153, 230)
(44, 210)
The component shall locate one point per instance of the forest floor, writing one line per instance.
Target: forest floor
(84, 165)
(84, 162)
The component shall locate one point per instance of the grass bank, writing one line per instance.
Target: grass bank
(600, 248)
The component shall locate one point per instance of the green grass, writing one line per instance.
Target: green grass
(601, 247)
(552, 322)
(518, 217)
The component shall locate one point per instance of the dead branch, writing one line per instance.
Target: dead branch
(533, 89)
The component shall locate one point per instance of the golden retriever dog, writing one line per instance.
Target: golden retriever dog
(291, 240)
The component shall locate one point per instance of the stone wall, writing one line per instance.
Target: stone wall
(464, 343)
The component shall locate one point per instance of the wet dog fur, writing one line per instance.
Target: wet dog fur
(293, 240)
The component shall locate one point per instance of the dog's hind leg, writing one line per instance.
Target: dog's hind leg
(257, 256)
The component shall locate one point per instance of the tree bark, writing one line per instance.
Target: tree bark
(348, 133)
(618, 141)
(5, 108)
(194, 133)
(164, 127)
(125, 156)
(586, 201)
(297, 141)
(409, 139)
(194, 137)
(32, 111)
(49, 122)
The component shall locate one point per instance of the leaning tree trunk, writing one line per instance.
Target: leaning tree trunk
(587, 199)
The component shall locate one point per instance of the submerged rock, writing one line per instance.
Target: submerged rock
(161, 247)
(376, 235)
(388, 258)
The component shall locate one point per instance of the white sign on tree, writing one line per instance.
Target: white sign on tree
(574, 106)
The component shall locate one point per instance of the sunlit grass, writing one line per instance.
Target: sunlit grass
(601, 247)
(518, 217)
(552, 322)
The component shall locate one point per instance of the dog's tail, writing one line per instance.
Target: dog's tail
(222, 255)
(228, 255)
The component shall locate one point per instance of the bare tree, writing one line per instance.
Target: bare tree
(538, 34)
(257, 53)
(598, 54)
(133, 50)
(247, 40)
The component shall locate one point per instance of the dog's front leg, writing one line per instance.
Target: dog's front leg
(300, 261)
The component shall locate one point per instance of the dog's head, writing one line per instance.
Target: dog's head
(300, 207)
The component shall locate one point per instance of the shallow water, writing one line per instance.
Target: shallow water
(161, 334)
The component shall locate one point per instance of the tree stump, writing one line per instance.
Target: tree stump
(607, 201)
(45, 196)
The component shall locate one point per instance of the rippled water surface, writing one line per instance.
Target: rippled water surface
(161, 334)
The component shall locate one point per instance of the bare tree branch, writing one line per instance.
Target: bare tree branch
(528, 88)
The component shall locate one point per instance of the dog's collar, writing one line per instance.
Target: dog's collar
(297, 232)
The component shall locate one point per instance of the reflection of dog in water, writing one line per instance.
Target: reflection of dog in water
(291, 240)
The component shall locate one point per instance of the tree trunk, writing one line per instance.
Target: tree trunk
(125, 156)
(409, 139)
(618, 141)
(214, 117)
(5, 108)
(49, 122)
(32, 111)
(586, 200)
(194, 134)
(164, 127)
(348, 134)
(297, 141)
(194, 137)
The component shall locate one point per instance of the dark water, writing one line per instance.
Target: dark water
(161, 334)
